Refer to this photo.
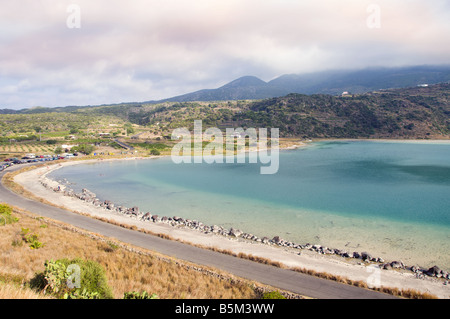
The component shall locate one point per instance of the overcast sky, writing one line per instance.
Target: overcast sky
(108, 51)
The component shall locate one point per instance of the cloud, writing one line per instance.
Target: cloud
(143, 50)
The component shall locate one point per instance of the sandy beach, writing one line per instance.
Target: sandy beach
(356, 270)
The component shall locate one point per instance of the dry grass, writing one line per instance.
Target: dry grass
(403, 293)
(135, 270)
(9, 291)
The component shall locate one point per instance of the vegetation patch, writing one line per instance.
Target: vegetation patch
(73, 279)
(273, 295)
(139, 295)
(130, 272)
(6, 216)
(31, 239)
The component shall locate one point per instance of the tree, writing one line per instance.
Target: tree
(58, 150)
(84, 148)
(129, 128)
(155, 152)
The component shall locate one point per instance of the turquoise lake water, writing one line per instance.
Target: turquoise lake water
(390, 199)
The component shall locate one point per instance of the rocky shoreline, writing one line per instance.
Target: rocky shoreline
(175, 221)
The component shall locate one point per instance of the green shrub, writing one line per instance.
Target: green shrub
(73, 279)
(31, 239)
(155, 152)
(6, 215)
(137, 295)
(86, 149)
(273, 295)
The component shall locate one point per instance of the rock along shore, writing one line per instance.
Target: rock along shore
(175, 221)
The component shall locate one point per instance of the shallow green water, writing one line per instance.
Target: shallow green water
(390, 199)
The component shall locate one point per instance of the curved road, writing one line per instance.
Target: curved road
(280, 278)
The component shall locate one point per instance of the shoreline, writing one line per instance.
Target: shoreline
(314, 257)
(383, 140)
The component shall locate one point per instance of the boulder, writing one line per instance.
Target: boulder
(277, 240)
(96, 202)
(215, 229)
(106, 203)
(397, 264)
(366, 256)
(434, 271)
(347, 255)
(415, 269)
(386, 266)
(235, 232)
(88, 193)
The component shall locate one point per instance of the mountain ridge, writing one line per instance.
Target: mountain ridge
(325, 82)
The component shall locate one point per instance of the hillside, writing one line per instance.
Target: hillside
(418, 112)
(403, 113)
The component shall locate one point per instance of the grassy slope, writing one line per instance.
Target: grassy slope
(128, 269)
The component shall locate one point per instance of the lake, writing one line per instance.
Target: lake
(391, 199)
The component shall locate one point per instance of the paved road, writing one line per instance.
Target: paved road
(124, 145)
(276, 277)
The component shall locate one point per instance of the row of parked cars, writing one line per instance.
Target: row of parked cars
(31, 158)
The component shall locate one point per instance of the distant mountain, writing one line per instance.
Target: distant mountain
(327, 82)
(362, 81)
(244, 88)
